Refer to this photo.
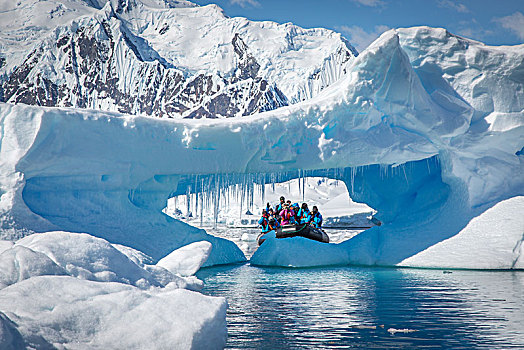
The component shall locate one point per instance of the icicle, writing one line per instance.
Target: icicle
(188, 200)
(263, 189)
(303, 188)
(202, 203)
(405, 175)
(352, 179)
(299, 174)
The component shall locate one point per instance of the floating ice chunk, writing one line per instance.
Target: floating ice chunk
(87, 257)
(392, 331)
(193, 283)
(20, 263)
(298, 252)
(67, 312)
(187, 260)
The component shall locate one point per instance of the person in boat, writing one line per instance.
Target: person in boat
(280, 206)
(303, 214)
(264, 221)
(315, 218)
(273, 224)
(271, 213)
(287, 215)
(296, 209)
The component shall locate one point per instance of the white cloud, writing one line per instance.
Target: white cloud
(361, 39)
(514, 23)
(473, 30)
(244, 3)
(371, 3)
(453, 5)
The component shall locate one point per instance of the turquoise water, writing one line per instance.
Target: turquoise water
(369, 308)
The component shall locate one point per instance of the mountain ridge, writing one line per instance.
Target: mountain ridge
(174, 61)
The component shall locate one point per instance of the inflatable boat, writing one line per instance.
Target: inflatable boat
(303, 230)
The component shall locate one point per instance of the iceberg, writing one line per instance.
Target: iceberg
(426, 127)
(67, 312)
(71, 290)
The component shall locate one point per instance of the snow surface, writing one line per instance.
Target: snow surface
(426, 128)
(76, 291)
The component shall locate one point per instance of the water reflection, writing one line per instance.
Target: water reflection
(369, 307)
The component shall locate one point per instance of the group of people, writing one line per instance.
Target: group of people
(286, 213)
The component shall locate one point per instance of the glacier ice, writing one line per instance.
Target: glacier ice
(417, 129)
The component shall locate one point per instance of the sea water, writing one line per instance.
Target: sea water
(369, 308)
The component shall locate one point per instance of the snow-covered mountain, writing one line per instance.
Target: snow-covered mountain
(161, 58)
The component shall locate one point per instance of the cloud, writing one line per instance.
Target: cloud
(361, 39)
(371, 3)
(244, 3)
(452, 5)
(473, 30)
(514, 23)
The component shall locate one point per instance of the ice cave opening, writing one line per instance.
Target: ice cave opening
(354, 198)
(233, 211)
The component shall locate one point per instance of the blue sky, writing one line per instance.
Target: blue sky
(495, 22)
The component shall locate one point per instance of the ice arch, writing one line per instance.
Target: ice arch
(414, 131)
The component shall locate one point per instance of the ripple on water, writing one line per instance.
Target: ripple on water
(321, 308)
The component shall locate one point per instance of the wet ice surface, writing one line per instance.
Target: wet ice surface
(246, 238)
(341, 307)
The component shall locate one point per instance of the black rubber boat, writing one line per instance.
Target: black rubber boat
(303, 230)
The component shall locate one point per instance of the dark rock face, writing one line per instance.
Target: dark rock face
(248, 67)
(101, 65)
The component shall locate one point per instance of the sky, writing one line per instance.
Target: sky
(494, 22)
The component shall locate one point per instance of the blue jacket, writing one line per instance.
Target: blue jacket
(264, 222)
(278, 208)
(266, 227)
(315, 219)
(303, 216)
(275, 226)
